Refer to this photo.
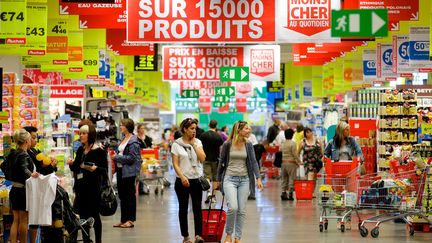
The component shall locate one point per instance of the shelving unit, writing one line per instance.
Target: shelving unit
(398, 124)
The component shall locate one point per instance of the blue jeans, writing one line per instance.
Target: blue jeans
(236, 189)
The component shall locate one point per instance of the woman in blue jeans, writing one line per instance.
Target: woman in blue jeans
(237, 166)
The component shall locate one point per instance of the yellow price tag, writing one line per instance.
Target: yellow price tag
(13, 16)
(36, 29)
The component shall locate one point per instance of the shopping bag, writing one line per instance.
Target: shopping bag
(301, 172)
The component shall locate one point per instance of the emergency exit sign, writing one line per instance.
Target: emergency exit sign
(359, 23)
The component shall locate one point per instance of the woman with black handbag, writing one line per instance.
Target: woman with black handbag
(89, 166)
(188, 156)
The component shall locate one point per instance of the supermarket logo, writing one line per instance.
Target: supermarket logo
(309, 17)
(36, 52)
(75, 70)
(15, 40)
(60, 62)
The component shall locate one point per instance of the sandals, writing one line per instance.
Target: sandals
(118, 225)
(128, 224)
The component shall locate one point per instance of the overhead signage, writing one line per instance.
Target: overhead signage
(203, 62)
(228, 91)
(36, 30)
(206, 89)
(145, 63)
(89, 8)
(13, 16)
(88, 1)
(419, 43)
(401, 54)
(232, 74)
(211, 21)
(116, 41)
(110, 21)
(277, 86)
(398, 10)
(385, 62)
(369, 65)
(299, 21)
(359, 23)
(190, 93)
(307, 89)
(67, 92)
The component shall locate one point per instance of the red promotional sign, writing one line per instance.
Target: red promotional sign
(111, 21)
(198, 63)
(36, 76)
(92, 8)
(201, 21)
(204, 104)
(398, 10)
(206, 89)
(241, 104)
(67, 92)
(305, 14)
(262, 62)
(116, 41)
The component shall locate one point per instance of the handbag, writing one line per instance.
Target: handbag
(108, 199)
(278, 159)
(205, 184)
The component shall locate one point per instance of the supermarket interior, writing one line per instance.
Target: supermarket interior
(215, 121)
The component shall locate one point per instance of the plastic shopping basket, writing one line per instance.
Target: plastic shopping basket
(304, 189)
(340, 167)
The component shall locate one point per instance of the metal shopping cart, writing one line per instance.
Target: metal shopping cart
(337, 195)
(399, 195)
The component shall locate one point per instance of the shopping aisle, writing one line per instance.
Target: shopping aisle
(269, 220)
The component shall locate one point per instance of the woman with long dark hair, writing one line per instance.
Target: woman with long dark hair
(89, 167)
(188, 156)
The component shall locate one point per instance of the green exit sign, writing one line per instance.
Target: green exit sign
(190, 93)
(225, 91)
(219, 104)
(233, 74)
(222, 98)
(359, 23)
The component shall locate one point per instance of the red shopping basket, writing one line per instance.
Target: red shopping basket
(304, 189)
(340, 167)
(213, 223)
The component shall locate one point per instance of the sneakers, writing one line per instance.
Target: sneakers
(252, 198)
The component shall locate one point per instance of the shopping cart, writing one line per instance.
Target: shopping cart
(399, 195)
(337, 194)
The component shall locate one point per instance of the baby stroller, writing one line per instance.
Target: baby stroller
(66, 223)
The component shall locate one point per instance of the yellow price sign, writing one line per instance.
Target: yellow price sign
(13, 16)
(36, 29)
(426, 128)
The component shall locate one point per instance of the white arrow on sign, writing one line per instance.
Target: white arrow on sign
(184, 92)
(377, 22)
(243, 74)
(231, 92)
(63, 10)
(83, 24)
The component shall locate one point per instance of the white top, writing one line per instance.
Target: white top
(122, 146)
(40, 195)
(185, 162)
(280, 138)
(252, 139)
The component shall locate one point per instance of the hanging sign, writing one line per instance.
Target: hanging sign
(307, 89)
(369, 65)
(277, 86)
(304, 20)
(204, 62)
(398, 10)
(419, 43)
(213, 21)
(109, 21)
(89, 8)
(145, 63)
(67, 92)
(206, 89)
(116, 41)
(385, 62)
(401, 58)
(36, 30)
(13, 16)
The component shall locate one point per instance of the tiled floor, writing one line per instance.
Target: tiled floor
(268, 220)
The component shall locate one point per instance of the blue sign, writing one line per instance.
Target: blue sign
(102, 64)
(369, 68)
(419, 50)
(403, 50)
(387, 57)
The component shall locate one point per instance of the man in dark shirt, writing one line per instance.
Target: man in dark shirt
(212, 142)
(273, 131)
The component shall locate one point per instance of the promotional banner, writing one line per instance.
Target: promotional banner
(277, 86)
(307, 89)
(419, 43)
(36, 30)
(385, 62)
(204, 62)
(398, 10)
(369, 65)
(206, 89)
(145, 63)
(299, 21)
(213, 21)
(13, 22)
(401, 60)
(88, 8)
(116, 41)
(67, 92)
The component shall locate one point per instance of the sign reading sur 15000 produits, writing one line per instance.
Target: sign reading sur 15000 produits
(204, 62)
(200, 21)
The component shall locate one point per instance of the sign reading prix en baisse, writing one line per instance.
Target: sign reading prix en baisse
(194, 21)
(67, 91)
(300, 21)
(204, 62)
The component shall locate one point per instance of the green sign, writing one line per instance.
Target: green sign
(190, 93)
(225, 91)
(359, 23)
(222, 98)
(219, 104)
(232, 74)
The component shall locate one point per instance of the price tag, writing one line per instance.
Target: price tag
(36, 30)
(13, 21)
